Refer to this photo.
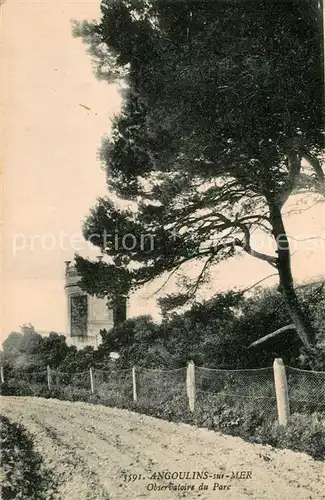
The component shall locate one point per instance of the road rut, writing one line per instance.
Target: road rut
(91, 450)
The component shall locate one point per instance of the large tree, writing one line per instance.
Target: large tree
(222, 105)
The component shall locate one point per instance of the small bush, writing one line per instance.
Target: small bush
(303, 433)
(16, 387)
(23, 474)
(71, 393)
(313, 359)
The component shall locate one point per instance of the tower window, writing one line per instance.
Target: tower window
(79, 315)
(120, 311)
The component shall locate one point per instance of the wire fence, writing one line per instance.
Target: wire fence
(306, 390)
(161, 389)
(60, 379)
(207, 390)
(39, 378)
(236, 388)
(114, 387)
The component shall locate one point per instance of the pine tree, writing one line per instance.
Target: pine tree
(223, 103)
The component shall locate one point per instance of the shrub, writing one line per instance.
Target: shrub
(16, 387)
(303, 433)
(23, 473)
(313, 359)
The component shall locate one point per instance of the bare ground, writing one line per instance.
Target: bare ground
(90, 448)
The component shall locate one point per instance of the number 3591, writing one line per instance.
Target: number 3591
(128, 478)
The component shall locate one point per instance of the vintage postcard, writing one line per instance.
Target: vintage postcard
(163, 244)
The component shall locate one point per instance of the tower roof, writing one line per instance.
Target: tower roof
(71, 275)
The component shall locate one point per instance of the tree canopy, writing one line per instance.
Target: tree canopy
(28, 349)
(222, 105)
(218, 333)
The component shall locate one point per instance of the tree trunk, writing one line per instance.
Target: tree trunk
(302, 324)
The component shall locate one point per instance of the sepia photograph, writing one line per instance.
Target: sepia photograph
(163, 250)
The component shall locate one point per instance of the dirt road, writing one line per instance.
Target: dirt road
(99, 453)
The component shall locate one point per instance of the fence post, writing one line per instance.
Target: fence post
(2, 377)
(190, 385)
(92, 385)
(48, 376)
(281, 390)
(134, 383)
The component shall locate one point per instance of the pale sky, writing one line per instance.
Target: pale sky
(52, 175)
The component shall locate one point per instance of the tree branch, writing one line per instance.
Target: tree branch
(258, 255)
(271, 335)
(258, 282)
(302, 210)
(199, 278)
(166, 280)
(245, 245)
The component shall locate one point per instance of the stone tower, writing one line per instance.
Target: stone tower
(87, 314)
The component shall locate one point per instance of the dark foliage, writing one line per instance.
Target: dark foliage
(24, 474)
(218, 333)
